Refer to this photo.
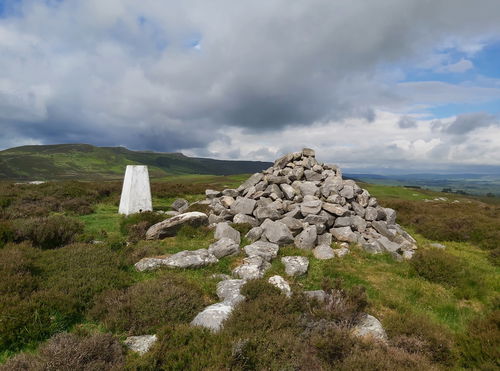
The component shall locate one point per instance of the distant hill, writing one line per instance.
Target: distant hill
(85, 162)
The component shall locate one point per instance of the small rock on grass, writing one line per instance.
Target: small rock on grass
(140, 344)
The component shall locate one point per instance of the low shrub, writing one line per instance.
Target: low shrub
(17, 269)
(436, 265)
(416, 334)
(136, 225)
(71, 352)
(146, 306)
(188, 232)
(200, 208)
(479, 347)
(7, 232)
(49, 232)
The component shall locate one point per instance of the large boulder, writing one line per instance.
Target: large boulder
(277, 232)
(170, 227)
(224, 230)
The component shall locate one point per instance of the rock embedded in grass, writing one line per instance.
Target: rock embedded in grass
(170, 227)
(295, 265)
(140, 344)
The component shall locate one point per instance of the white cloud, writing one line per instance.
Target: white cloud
(463, 65)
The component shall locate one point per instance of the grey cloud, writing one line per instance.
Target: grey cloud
(468, 122)
(407, 122)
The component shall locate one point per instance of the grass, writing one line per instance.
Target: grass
(395, 291)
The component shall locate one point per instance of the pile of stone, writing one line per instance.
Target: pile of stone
(306, 203)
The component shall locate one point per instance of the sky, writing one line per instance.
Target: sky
(372, 85)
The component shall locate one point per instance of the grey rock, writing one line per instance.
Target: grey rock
(381, 215)
(371, 213)
(390, 216)
(341, 252)
(323, 252)
(226, 201)
(266, 212)
(381, 227)
(347, 192)
(310, 206)
(370, 327)
(312, 175)
(288, 191)
(325, 239)
(224, 247)
(254, 234)
(180, 205)
(358, 209)
(213, 316)
(308, 152)
(408, 254)
(363, 198)
(253, 180)
(283, 161)
(277, 232)
(266, 250)
(140, 344)
(170, 227)
(344, 221)
(334, 209)
(373, 202)
(292, 224)
(210, 193)
(224, 230)
(245, 219)
(297, 173)
(276, 179)
(358, 223)
(315, 219)
(229, 290)
(308, 188)
(190, 259)
(230, 192)
(344, 234)
(372, 247)
(295, 265)
(281, 284)
(171, 213)
(387, 245)
(307, 238)
(253, 267)
(148, 264)
(243, 205)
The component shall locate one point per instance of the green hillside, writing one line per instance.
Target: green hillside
(87, 162)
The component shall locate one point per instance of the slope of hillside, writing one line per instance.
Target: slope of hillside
(83, 161)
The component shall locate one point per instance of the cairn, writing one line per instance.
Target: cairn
(303, 202)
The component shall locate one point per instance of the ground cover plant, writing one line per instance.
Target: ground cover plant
(69, 296)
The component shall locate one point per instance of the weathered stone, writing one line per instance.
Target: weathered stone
(387, 245)
(347, 192)
(140, 344)
(243, 205)
(295, 265)
(315, 219)
(292, 224)
(297, 173)
(381, 227)
(307, 238)
(283, 161)
(381, 215)
(370, 213)
(408, 254)
(341, 252)
(180, 205)
(266, 250)
(363, 198)
(226, 201)
(229, 290)
(372, 247)
(281, 284)
(370, 327)
(312, 175)
(288, 191)
(170, 227)
(210, 193)
(253, 180)
(277, 232)
(308, 152)
(308, 188)
(344, 221)
(254, 234)
(190, 259)
(325, 239)
(334, 209)
(323, 252)
(390, 216)
(310, 205)
(253, 267)
(358, 209)
(344, 234)
(266, 212)
(245, 219)
(224, 230)
(213, 316)
(224, 247)
(358, 223)
(148, 264)
(230, 192)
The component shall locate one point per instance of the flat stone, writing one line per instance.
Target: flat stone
(243, 205)
(334, 209)
(148, 264)
(295, 265)
(292, 224)
(381, 227)
(210, 193)
(266, 212)
(140, 344)
(170, 227)
(266, 250)
(307, 238)
(253, 267)
(358, 209)
(310, 206)
(313, 176)
(358, 223)
(344, 234)
(213, 316)
(245, 219)
(224, 230)
(254, 234)
(308, 152)
(387, 245)
(224, 247)
(323, 252)
(190, 259)
(372, 247)
(281, 284)
(344, 221)
(253, 180)
(180, 205)
(230, 192)
(229, 290)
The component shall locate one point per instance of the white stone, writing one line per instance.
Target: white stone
(136, 191)
(140, 344)
(281, 284)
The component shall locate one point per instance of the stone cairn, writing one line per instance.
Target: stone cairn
(306, 203)
(296, 201)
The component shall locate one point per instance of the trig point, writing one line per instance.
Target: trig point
(136, 192)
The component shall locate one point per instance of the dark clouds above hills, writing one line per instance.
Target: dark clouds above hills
(227, 79)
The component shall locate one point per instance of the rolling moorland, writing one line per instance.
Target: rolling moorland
(70, 295)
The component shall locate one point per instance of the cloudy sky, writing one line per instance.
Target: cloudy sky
(370, 84)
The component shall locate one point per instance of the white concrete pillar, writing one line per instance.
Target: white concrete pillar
(136, 191)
